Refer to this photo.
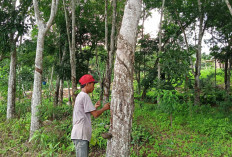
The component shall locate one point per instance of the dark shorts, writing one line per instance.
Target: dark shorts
(81, 147)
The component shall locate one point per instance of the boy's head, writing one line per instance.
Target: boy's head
(87, 83)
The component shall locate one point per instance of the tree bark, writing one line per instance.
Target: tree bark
(160, 48)
(72, 48)
(229, 6)
(198, 58)
(60, 99)
(107, 80)
(37, 87)
(138, 70)
(99, 76)
(12, 74)
(69, 95)
(56, 91)
(122, 103)
(227, 77)
(12, 83)
(50, 84)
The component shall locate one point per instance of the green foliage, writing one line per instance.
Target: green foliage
(175, 64)
(48, 112)
(139, 135)
(4, 79)
(99, 125)
(203, 133)
(169, 101)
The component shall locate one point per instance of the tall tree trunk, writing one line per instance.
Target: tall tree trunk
(227, 77)
(12, 74)
(106, 25)
(99, 76)
(56, 91)
(122, 103)
(50, 84)
(107, 80)
(60, 99)
(229, 6)
(73, 54)
(138, 70)
(160, 48)
(37, 87)
(198, 58)
(72, 47)
(69, 95)
(59, 77)
(12, 83)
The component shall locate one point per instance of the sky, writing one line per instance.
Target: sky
(151, 26)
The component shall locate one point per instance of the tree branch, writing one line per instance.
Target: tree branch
(229, 6)
(36, 9)
(53, 13)
(3, 57)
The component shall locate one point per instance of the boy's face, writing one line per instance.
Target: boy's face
(90, 87)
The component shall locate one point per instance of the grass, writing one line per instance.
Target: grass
(195, 131)
(201, 134)
(207, 132)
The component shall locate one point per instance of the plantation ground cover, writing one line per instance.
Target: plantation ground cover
(196, 131)
(207, 132)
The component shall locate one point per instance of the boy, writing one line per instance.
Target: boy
(83, 108)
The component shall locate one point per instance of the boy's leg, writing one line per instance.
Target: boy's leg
(82, 148)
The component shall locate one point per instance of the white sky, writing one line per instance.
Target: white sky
(151, 26)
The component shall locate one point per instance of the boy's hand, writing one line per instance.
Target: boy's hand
(98, 104)
(106, 106)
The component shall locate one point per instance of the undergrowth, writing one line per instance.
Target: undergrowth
(195, 130)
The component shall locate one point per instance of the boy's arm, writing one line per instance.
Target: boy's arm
(97, 113)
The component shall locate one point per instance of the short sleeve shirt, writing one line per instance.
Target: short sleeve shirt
(82, 128)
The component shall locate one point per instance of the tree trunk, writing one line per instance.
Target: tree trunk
(73, 54)
(198, 58)
(99, 76)
(72, 48)
(229, 6)
(138, 71)
(56, 91)
(160, 48)
(69, 95)
(107, 80)
(60, 100)
(37, 87)
(50, 84)
(12, 83)
(12, 74)
(122, 103)
(227, 77)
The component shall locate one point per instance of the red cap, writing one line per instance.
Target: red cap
(87, 79)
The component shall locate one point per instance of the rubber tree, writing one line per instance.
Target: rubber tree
(13, 27)
(160, 47)
(122, 102)
(43, 28)
(107, 80)
(71, 43)
(198, 56)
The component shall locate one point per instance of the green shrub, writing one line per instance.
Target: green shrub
(47, 111)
